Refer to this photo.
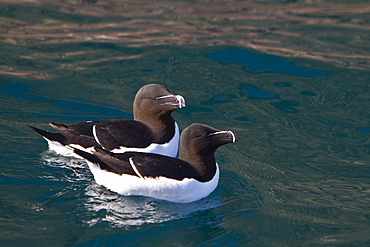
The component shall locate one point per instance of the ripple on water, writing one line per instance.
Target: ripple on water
(126, 211)
(264, 62)
(349, 196)
(103, 205)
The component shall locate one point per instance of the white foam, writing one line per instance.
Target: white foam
(66, 150)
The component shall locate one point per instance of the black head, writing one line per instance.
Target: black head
(203, 139)
(155, 100)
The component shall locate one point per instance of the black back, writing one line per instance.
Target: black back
(148, 165)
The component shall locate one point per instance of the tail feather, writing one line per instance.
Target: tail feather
(87, 156)
(103, 151)
(57, 126)
(93, 159)
(52, 136)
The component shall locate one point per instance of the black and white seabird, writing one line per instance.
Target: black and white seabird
(192, 176)
(153, 129)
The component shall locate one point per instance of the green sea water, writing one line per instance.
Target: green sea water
(299, 176)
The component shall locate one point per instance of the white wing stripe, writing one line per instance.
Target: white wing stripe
(95, 137)
(134, 168)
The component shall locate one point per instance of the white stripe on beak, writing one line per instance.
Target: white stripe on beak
(225, 132)
(179, 100)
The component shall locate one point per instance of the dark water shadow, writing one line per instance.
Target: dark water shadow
(258, 61)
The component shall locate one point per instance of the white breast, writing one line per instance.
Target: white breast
(168, 149)
(184, 191)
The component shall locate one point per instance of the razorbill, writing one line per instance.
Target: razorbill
(192, 176)
(153, 129)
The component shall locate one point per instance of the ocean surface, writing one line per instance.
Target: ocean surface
(292, 78)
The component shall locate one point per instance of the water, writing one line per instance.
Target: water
(299, 101)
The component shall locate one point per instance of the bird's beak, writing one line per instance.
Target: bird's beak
(227, 135)
(178, 100)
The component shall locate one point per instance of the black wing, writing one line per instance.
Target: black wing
(151, 165)
(147, 165)
(52, 136)
(107, 162)
(112, 134)
(80, 133)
